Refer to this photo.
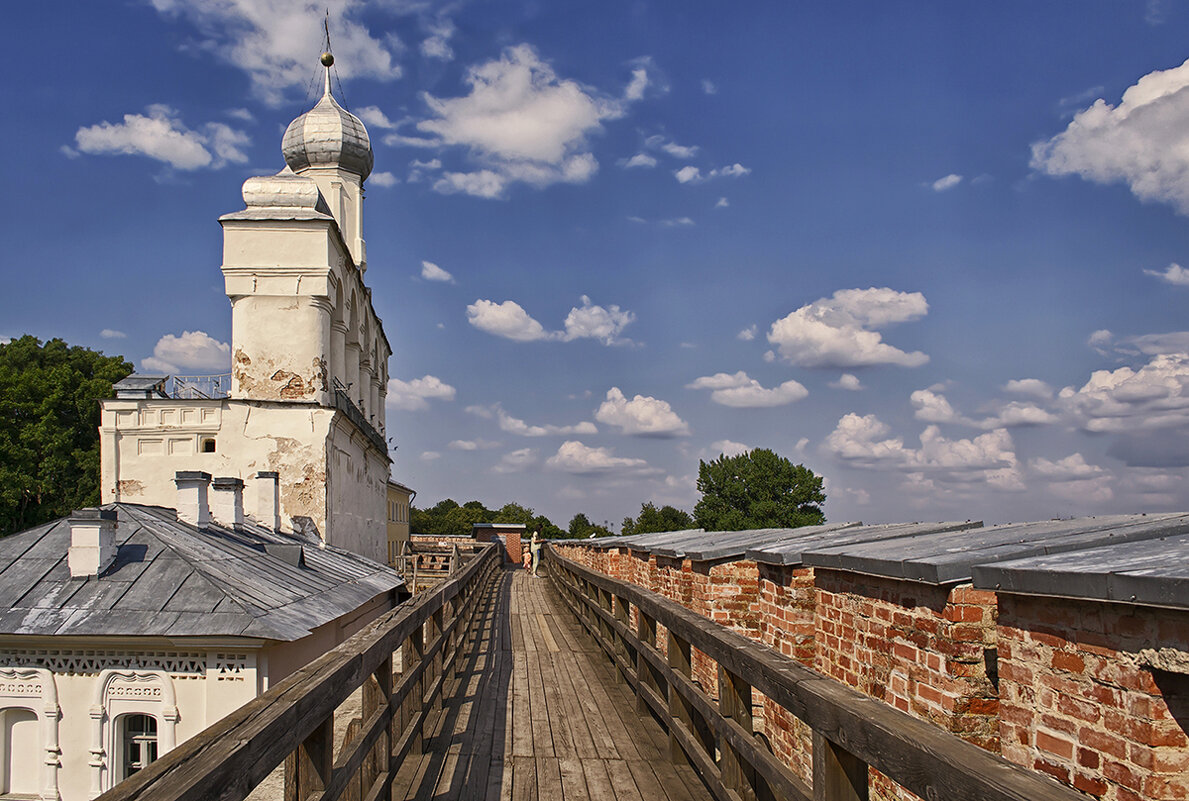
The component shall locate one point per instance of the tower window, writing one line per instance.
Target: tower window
(208, 445)
(138, 736)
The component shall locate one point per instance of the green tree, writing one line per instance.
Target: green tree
(515, 513)
(49, 428)
(651, 519)
(758, 489)
(580, 527)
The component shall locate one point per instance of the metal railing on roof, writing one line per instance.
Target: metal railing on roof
(199, 387)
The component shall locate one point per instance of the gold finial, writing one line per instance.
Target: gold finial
(327, 59)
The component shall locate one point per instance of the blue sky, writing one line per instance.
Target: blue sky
(930, 250)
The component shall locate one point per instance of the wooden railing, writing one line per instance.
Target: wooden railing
(294, 721)
(422, 565)
(851, 731)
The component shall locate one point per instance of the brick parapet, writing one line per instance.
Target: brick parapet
(1078, 701)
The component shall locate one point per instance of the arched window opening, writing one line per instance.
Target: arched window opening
(138, 743)
(20, 749)
(208, 445)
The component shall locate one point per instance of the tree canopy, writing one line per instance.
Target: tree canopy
(651, 519)
(447, 519)
(49, 428)
(757, 489)
(580, 528)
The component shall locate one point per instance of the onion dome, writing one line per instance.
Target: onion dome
(328, 136)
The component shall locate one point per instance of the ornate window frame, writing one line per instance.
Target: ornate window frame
(34, 689)
(123, 692)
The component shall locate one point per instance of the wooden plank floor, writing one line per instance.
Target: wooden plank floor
(537, 714)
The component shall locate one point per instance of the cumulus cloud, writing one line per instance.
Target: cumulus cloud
(864, 441)
(516, 462)
(848, 382)
(690, 174)
(437, 44)
(588, 321)
(383, 179)
(508, 320)
(597, 322)
(641, 416)
(415, 395)
(429, 456)
(1142, 142)
(373, 117)
(192, 350)
(709, 87)
(111, 333)
(1173, 274)
(1015, 414)
(722, 203)
(1127, 400)
(946, 182)
(748, 334)
(472, 445)
(671, 148)
(741, 391)
(932, 407)
(271, 40)
(728, 447)
(160, 134)
(432, 272)
(514, 425)
(840, 331)
(1072, 468)
(575, 457)
(1029, 386)
(521, 122)
(639, 160)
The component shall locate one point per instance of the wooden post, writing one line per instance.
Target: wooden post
(307, 770)
(646, 631)
(377, 689)
(435, 633)
(734, 703)
(411, 655)
(621, 644)
(838, 775)
(679, 710)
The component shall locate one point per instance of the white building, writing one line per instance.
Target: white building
(309, 357)
(127, 629)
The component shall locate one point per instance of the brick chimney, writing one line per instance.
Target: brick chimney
(92, 542)
(227, 501)
(268, 499)
(193, 501)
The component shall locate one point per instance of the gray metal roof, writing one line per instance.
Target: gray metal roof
(713, 545)
(640, 542)
(949, 557)
(791, 550)
(172, 579)
(1154, 571)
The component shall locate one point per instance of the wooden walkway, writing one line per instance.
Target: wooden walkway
(537, 714)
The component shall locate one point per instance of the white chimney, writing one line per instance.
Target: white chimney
(227, 501)
(92, 542)
(193, 504)
(268, 499)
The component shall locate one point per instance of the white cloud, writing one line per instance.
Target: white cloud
(741, 391)
(947, 182)
(848, 382)
(838, 331)
(373, 117)
(429, 456)
(271, 40)
(597, 322)
(511, 321)
(192, 350)
(735, 170)
(676, 222)
(641, 416)
(863, 441)
(1015, 413)
(521, 122)
(508, 320)
(162, 136)
(472, 445)
(415, 395)
(639, 160)
(709, 87)
(1029, 386)
(432, 272)
(932, 407)
(748, 334)
(1142, 142)
(1174, 274)
(516, 462)
(687, 174)
(383, 179)
(722, 203)
(1127, 400)
(669, 147)
(437, 44)
(728, 447)
(111, 333)
(1101, 341)
(575, 457)
(691, 174)
(514, 425)
(1072, 468)
(636, 86)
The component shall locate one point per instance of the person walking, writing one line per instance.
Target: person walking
(535, 547)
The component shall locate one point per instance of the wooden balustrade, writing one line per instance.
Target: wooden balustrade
(294, 721)
(851, 731)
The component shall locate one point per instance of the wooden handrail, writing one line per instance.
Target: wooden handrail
(293, 721)
(851, 731)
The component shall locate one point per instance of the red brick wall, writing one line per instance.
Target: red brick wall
(1077, 702)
